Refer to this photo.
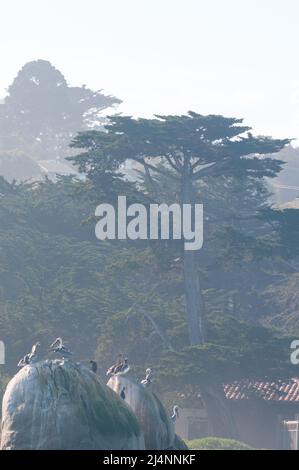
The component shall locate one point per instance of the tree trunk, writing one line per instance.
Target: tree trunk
(219, 412)
(194, 301)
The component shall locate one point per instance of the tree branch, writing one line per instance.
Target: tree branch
(172, 164)
(206, 171)
(158, 330)
(157, 170)
(148, 176)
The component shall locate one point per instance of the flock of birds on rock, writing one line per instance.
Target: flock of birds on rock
(56, 347)
(31, 357)
(121, 366)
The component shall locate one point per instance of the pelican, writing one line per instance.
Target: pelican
(31, 357)
(58, 347)
(148, 378)
(175, 413)
(93, 366)
(123, 393)
(111, 370)
(123, 368)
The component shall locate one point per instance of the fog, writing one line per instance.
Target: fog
(234, 58)
(149, 222)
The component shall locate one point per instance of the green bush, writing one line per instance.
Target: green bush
(216, 443)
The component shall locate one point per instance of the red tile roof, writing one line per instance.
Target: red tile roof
(280, 390)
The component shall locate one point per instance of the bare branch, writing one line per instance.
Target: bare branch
(149, 177)
(172, 164)
(206, 171)
(158, 330)
(157, 170)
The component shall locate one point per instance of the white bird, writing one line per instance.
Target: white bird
(58, 347)
(175, 413)
(31, 357)
(148, 378)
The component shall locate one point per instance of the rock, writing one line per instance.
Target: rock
(157, 427)
(63, 405)
(179, 444)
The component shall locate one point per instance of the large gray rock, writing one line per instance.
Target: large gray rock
(62, 405)
(154, 421)
(179, 444)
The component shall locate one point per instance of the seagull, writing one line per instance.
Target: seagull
(58, 347)
(147, 381)
(31, 357)
(111, 370)
(123, 393)
(175, 414)
(93, 366)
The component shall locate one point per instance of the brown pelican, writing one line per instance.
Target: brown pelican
(175, 413)
(123, 368)
(123, 393)
(111, 370)
(58, 347)
(93, 366)
(31, 357)
(148, 378)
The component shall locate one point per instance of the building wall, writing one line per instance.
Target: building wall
(260, 424)
(192, 423)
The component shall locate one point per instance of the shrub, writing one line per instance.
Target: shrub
(216, 443)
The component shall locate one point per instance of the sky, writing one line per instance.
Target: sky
(233, 57)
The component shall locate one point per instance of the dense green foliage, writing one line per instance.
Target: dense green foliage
(57, 279)
(194, 147)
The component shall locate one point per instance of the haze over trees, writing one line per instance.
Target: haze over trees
(102, 297)
(195, 147)
(285, 186)
(197, 318)
(39, 116)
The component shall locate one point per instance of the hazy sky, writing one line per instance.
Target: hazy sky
(234, 57)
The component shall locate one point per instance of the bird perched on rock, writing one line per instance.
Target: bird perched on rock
(146, 382)
(58, 347)
(123, 368)
(31, 357)
(93, 366)
(175, 413)
(123, 393)
(119, 362)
